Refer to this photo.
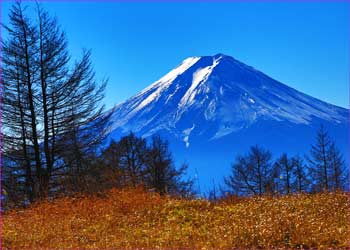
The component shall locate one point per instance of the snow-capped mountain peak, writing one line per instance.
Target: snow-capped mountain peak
(200, 76)
(216, 96)
(212, 107)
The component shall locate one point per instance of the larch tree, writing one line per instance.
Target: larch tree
(20, 138)
(285, 168)
(132, 159)
(51, 110)
(338, 171)
(252, 174)
(161, 172)
(319, 161)
(301, 180)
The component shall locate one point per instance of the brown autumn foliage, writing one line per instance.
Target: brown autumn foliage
(135, 219)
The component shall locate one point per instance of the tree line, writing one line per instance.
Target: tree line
(133, 162)
(255, 173)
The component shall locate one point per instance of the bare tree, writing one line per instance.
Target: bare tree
(132, 161)
(161, 173)
(338, 173)
(319, 161)
(301, 180)
(49, 106)
(252, 174)
(113, 174)
(285, 168)
(20, 139)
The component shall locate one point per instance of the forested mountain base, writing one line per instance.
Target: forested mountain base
(135, 219)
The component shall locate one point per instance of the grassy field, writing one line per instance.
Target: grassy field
(133, 219)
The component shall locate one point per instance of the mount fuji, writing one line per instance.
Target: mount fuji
(211, 108)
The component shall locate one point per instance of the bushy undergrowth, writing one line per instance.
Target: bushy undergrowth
(134, 219)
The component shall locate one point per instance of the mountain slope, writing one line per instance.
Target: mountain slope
(208, 103)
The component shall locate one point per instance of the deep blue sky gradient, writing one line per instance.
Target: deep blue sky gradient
(302, 44)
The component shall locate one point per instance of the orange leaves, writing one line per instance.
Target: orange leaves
(130, 219)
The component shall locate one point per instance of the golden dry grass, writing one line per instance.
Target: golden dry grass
(133, 219)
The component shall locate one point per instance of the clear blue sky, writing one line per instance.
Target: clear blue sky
(303, 44)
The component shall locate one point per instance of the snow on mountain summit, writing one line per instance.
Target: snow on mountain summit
(217, 95)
